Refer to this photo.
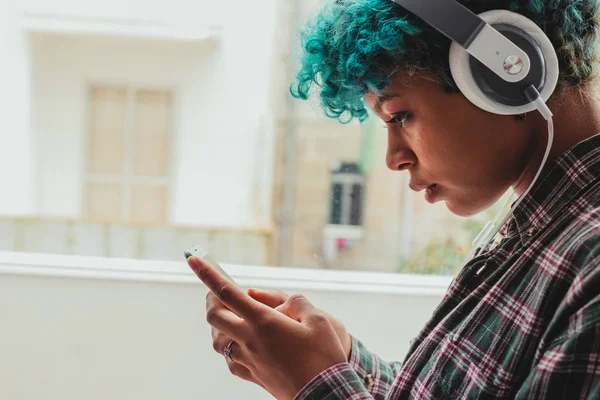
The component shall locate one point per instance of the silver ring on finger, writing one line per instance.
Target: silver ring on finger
(227, 351)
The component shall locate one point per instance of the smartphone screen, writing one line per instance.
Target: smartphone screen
(202, 254)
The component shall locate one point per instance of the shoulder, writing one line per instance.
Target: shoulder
(577, 242)
(575, 261)
(576, 253)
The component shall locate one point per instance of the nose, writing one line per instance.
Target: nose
(399, 156)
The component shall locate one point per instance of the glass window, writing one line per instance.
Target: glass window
(127, 177)
(150, 138)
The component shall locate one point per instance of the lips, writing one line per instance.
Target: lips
(431, 191)
(419, 187)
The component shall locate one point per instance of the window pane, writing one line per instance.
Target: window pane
(106, 150)
(148, 204)
(151, 135)
(104, 202)
(356, 204)
(336, 204)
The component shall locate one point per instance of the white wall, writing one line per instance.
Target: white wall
(221, 91)
(83, 328)
(16, 145)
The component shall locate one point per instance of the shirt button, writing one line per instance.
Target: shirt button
(369, 381)
(531, 231)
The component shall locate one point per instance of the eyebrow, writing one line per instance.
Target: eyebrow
(384, 98)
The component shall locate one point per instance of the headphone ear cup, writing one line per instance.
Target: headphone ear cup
(461, 71)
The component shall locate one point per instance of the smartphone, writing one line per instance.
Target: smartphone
(202, 254)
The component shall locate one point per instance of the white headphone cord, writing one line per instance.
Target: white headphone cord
(484, 238)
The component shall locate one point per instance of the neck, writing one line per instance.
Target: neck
(576, 118)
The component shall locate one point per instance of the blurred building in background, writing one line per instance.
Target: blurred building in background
(138, 129)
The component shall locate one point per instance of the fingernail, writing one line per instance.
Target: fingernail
(193, 263)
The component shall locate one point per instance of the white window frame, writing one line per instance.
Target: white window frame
(128, 180)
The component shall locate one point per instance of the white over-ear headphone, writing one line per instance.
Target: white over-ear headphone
(495, 57)
(490, 92)
(503, 63)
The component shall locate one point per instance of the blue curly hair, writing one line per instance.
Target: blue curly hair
(352, 47)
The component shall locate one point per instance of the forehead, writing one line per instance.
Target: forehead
(405, 87)
(376, 100)
(400, 86)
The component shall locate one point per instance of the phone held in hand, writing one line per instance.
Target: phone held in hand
(202, 254)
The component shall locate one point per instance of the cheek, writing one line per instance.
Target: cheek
(446, 149)
(465, 150)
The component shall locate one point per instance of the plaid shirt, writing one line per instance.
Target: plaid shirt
(527, 326)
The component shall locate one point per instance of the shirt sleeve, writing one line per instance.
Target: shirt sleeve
(364, 376)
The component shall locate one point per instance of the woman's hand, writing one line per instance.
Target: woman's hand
(274, 299)
(280, 352)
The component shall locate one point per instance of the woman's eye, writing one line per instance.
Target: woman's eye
(399, 118)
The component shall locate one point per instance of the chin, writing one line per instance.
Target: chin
(471, 202)
(462, 209)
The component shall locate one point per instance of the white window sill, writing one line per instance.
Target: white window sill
(287, 279)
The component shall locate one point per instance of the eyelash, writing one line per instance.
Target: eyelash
(400, 118)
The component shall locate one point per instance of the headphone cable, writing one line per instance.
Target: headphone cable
(484, 238)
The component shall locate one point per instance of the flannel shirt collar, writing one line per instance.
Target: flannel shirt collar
(558, 185)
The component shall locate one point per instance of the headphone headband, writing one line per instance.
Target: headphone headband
(478, 38)
(450, 18)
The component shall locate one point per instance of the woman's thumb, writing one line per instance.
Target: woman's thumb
(299, 308)
(270, 298)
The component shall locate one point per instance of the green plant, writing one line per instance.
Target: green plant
(444, 256)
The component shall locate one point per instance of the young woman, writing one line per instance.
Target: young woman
(522, 318)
